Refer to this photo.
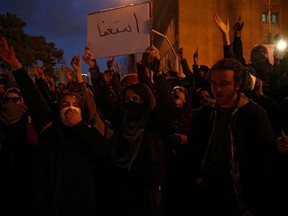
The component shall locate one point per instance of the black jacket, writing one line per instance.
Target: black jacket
(64, 162)
(252, 138)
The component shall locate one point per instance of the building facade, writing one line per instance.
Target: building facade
(190, 24)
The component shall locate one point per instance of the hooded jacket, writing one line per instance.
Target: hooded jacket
(252, 151)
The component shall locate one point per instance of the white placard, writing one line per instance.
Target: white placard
(119, 31)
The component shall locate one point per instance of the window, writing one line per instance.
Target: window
(264, 17)
(274, 17)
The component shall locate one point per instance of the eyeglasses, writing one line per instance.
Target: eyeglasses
(13, 99)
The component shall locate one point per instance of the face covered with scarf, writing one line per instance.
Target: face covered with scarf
(138, 99)
(260, 62)
(70, 112)
(12, 107)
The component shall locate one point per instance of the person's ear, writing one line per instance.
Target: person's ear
(238, 85)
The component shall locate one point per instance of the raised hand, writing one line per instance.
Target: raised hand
(51, 83)
(237, 27)
(76, 63)
(180, 52)
(69, 74)
(195, 57)
(153, 53)
(87, 57)
(108, 74)
(38, 71)
(168, 64)
(110, 63)
(224, 27)
(117, 68)
(8, 54)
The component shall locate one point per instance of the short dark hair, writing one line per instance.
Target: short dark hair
(229, 64)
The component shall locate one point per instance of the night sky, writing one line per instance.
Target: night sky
(63, 22)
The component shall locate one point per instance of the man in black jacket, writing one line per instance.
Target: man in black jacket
(233, 148)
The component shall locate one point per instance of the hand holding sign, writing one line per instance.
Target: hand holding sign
(119, 31)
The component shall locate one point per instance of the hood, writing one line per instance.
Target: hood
(242, 101)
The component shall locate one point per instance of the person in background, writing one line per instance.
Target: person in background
(60, 87)
(270, 74)
(282, 161)
(203, 97)
(105, 85)
(178, 185)
(196, 78)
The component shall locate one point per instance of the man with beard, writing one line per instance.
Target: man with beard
(269, 74)
(233, 145)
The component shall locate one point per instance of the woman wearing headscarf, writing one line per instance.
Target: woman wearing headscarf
(138, 154)
(62, 177)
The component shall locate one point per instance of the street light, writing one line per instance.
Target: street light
(281, 45)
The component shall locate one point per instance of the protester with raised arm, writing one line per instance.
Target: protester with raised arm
(62, 172)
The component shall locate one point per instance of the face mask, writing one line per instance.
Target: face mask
(262, 69)
(134, 110)
(11, 112)
(63, 117)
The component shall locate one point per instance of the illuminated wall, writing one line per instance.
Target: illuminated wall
(190, 24)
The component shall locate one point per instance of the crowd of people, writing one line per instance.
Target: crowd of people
(149, 143)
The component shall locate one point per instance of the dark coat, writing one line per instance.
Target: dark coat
(15, 160)
(64, 164)
(253, 139)
(138, 157)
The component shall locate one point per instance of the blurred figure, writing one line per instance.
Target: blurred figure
(178, 184)
(172, 76)
(204, 97)
(282, 161)
(196, 78)
(60, 87)
(106, 87)
(260, 62)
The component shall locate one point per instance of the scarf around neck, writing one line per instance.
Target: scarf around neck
(11, 113)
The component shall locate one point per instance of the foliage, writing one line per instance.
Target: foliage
(29, 49)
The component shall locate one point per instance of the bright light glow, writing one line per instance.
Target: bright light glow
(281, 45)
